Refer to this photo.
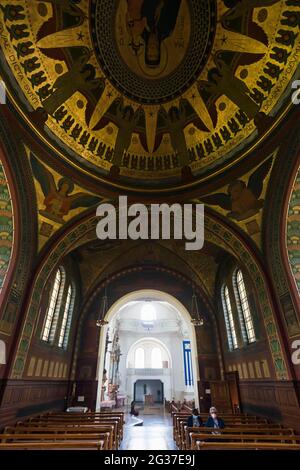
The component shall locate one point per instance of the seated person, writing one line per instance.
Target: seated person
(195, 420)
(214, 421)
(133, 411)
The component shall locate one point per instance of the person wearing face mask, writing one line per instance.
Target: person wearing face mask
(214, 421)
(195, 420)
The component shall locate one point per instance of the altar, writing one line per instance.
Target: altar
(121, 400)
(149, 399)
(107, 404)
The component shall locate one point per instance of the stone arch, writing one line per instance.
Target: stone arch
(216, 231)
(163, 274)
(283, 178)
(157, 295)
(7, 228)
(17, 179)
(293, 232)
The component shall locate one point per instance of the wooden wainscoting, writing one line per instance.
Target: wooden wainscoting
(23, 398)
(277, 400)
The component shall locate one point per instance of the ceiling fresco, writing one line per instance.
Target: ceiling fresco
(242, 201)
(150, 94)
(58, 198)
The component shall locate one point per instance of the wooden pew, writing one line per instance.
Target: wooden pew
(109, 425)
(176, 417)
(99, 440)
(223, 439)
(79, 417)
(180, 419)
(245, 446)
(174, 408)
(105, 428)
(104, 432)
(77, 420)
(187, 409)
(116, 414)
(243, 429)
(68, 445)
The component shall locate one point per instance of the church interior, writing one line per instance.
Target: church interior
(165, 102)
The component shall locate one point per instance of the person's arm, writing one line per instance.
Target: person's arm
(208, 423)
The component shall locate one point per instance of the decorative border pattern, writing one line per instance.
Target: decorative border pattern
(6, 226)
(262, 292)
(25, 218)
(293, 231)
(274, 229)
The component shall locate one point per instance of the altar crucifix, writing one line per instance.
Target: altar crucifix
(114, 370)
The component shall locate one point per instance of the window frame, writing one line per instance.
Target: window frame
(66, 323)
(156, 348)
(54, 306)
(228, 317)
(243, 307)
(135, 358)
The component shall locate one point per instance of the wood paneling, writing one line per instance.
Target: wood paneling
(220, 395)
(22, 398)
(278, 401)
(88, 390)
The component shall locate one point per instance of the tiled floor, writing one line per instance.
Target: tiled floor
(155, 434)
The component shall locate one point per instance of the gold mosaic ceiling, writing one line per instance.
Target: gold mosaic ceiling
(150, 93)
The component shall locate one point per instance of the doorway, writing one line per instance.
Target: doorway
(127, 309)
(155, 388)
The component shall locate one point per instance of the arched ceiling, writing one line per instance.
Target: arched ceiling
(150, 93)
(96, 258)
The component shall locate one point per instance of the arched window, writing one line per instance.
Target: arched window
(67, 318)
(139, 359)
(243, 307)
(229, 322)
(54, 306)
(156, 359)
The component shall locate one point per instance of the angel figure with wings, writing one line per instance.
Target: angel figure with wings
(80, 77)
(58, 200)
(242, 200)
(222, 81)
(127, 120)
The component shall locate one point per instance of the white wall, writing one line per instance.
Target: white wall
(171, 327)
(147, 345)
(2, 352)
(173, 379)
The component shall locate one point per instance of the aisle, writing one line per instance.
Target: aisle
(155, 434)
